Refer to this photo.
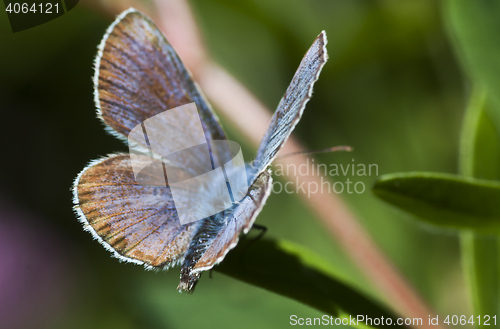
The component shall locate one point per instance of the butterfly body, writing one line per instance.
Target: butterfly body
(139, 76)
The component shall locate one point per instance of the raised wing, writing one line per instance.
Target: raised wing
(219, 234)
(138, 75)
(139, 224)
(292, 104)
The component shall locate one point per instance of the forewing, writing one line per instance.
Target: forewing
(216, 238)
(292, 104)
(137, 223)
(138, 75)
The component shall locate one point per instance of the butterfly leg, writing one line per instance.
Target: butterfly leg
(262, 229)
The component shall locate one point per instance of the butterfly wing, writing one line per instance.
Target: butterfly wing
(219, 234)
(139, 224)
(292, 104)
(216, 236)
(138, 75)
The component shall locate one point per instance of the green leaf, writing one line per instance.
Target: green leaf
(474, 27)
(293, 271)
(443, 199)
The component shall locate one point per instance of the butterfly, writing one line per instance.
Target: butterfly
(138, 75)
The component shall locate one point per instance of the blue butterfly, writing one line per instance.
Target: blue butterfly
(137, 76)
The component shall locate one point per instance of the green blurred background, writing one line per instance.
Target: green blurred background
(392, 89)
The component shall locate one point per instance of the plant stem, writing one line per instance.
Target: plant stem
(479, 157)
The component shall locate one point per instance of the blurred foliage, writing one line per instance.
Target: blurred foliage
(480, 157)
(392, 89)
(474, 28)
(462, 202)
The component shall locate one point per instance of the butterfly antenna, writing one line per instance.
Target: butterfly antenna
(324, 150)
